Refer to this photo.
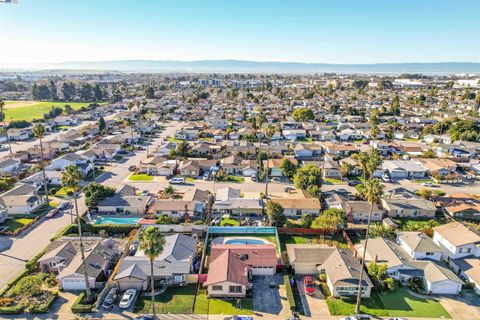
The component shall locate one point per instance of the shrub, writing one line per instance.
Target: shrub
(78, 307)
(12, 282)
(12, 310)
(28, 286)
(43, 308)
(323, 277)
(290, 296)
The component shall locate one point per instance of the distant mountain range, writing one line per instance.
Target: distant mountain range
(242, 66)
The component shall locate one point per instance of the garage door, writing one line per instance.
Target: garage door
(445, 288)
(124, 285)
(305, 269)
(73, 284)
(266, 271)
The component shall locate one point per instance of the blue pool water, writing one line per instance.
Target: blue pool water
(244, 241)
(107, 220)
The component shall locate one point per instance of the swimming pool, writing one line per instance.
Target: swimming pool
(107, 220)
(244, 241)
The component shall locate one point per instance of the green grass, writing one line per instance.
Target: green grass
(424, 181)
(37, 110)
(174, 300)
(238, 179)
(16, 224)
(346, 306)
(190, 179)
(229, 222)
(401, 303)
(333, 181)
(172, 139)
(205, 305)
(288, 239)
(140, 177)
(63, 192)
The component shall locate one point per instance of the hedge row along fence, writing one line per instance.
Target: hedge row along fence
(290, 296)
(78, 307)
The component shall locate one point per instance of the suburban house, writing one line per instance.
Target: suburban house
(439, 166)
(275, 164)
(357, 210)
(82, 162)
(404, 169)
(171, 267)
(436, 276)
(158, 166)
(296, 207)
(460, 206)
(409, 208)
(19, 134)
(65, 260)
(339, 265)
(229, 201)
(165, 149)
(125, 201)
(22, 199)
(177, 208)
(9, 166)
(232, 266)
(331, 170)
(190, 168)
(461, 250)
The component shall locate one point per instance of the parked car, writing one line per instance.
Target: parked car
(427, 184)
(110, 299)
(309, 286)
(206, 175)
(145, 193)
(177, 181)
(386, 178)
(145, 317)
(63, 205)
(127, 298)
(353, 183)
(52, 213)
(359, 317)
(132, 168)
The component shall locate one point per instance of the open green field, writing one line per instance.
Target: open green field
(30, 110)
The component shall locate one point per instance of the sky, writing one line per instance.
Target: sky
(333, 31)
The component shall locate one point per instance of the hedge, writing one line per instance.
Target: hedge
(12, 282)
(12, 310)
(78, 307)
(290, 297)
(43, 308)
(112, 228)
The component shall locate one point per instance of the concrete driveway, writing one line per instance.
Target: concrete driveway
(314, 306)
(465, 306)
(269, 296)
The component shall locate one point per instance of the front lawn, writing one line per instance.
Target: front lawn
(400, 303)
(333, 181)
(140, 177)
(63, 192)
(346, 306)
(237, 179)
(205, 305)
(229, 222)
(16, 224)
(174, 300)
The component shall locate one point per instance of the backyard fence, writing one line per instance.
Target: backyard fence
(300, 231)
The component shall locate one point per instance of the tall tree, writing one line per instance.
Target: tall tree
(98, 92)
(373, 193)
(152, 243)
(130, 106)
(71, 178)
(102, 125)
(39, 133)
(68, 91)
(86, 92)
(53, 91)
(275, 214)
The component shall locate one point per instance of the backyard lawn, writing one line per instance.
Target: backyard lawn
(16, 224)
(63, 192)
(400, 303)
(333, 181)
(174, 300)
(29, 110)
(140, 177)
(204, 305)
(288, 239)
(229, 222)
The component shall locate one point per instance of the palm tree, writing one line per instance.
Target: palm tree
(373, 193)
(373, 162)
(362, 162)
(39, 133)
(2, 114)
(130, 107)
(269, 132)
(152, 243)
(71, 177)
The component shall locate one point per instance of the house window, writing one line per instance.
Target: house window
(235, 289)
(429, 253)
(178, 278)
(217, 288)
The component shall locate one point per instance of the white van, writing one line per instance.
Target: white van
(177, 181)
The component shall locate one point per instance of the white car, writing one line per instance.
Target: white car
(427, 184)
(127, 298)
(177, 181)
